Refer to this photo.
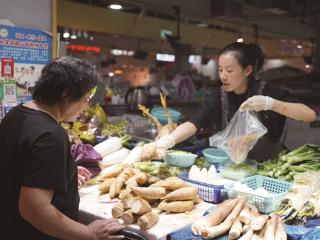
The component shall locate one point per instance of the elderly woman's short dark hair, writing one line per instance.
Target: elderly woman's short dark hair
(65, 79)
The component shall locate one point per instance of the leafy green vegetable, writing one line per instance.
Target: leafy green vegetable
(288, 164)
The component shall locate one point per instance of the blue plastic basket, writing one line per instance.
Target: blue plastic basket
(264, 204)
(207, 192)
(158, 113)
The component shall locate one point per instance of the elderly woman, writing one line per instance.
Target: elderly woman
(39, 182)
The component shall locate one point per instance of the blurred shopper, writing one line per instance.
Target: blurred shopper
(39, 178)
(238, 66)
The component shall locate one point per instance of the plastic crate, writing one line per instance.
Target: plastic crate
(264, 204)
(207, 192)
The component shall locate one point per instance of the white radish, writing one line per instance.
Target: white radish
(222, 228)
(258, 222)
(281, 231)
(194, 172)
(271, 228)
(235, 230)
(212, 174)
(248, 235)
(108, 146)
(203, 175)
(245, 215)
(111, 171)
(214, 218)
(115, 157)
(133, 156)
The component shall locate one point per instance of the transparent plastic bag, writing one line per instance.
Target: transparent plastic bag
(240, 136)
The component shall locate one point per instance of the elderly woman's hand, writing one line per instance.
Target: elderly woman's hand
(257, 103)
(105, 229)
(83, 175)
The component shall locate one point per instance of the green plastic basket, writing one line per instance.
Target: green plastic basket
(264, 204)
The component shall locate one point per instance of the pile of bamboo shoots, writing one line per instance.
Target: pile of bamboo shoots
(139, 193)
(240, 221)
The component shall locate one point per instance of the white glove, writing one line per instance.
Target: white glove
(257, 103)
(165, 142)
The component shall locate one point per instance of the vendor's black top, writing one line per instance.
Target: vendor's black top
(34, 152)
(211, 113)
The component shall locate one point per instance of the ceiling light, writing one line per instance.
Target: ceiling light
(165, 57)
(202, 25)
(85, 34)
(115, 6)
(299, 46)
(73, 35)
(66, 35)
(307, 66)
(240, 39)
(110, 74)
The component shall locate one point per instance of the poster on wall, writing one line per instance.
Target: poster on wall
(23, 54)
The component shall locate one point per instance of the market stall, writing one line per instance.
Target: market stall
(276, 199)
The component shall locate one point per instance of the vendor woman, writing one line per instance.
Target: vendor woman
(238, 65)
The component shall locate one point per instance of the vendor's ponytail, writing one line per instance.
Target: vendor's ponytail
(257, 57)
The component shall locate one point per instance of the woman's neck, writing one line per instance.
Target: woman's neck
(242, 88)
(53, 111)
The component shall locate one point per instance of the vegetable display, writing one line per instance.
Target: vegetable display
(288, 164)
(110, 145)
(142, 196)
(302, 201)
(240, 221)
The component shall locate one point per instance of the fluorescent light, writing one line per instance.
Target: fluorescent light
(120, 52)
(240, 39)
(115, 6)
(165, 57)
(194, 59)
(66, 35)
(202, 25)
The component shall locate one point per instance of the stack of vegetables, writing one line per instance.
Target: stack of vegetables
(93, 122)
(113, 152)
(139, 192)
(302, 201)
(288, 164)
(164, 170)
(240, 221)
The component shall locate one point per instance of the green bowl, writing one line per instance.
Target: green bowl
(180, 158)
(216, 156)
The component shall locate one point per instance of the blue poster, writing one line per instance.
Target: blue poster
(23, 54)
(25, 45)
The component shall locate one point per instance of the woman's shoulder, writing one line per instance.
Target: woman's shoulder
(275, 91)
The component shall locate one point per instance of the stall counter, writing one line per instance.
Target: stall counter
(100, 206)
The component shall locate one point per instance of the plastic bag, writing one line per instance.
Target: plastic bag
(85, 156)
(240, 136)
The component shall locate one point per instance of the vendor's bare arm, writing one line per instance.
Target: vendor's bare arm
(183, 132)
(296, 111)
(36, 208)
